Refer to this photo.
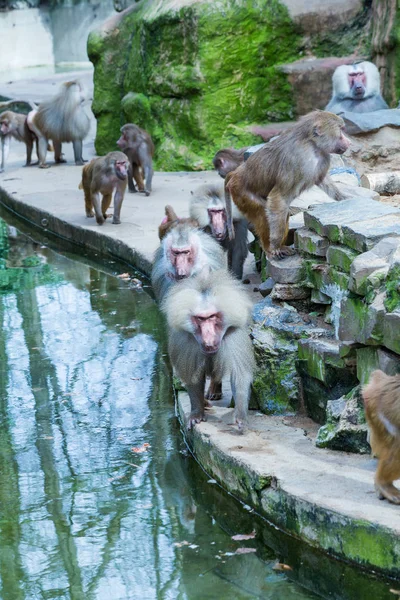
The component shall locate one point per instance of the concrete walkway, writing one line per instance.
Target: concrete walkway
(324, 497)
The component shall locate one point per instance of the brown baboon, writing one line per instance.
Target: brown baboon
(382, 409)
(264, 186)
(102, 176)
(14, 125)
(228, 159)
(139, 148)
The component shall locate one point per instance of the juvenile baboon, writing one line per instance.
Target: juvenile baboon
(382, 409)
(264, 186)
(228, 159)
(61, 119)
(137, 144)
(102, 176)
(208, 208)
(13, 125)
(356, 88)
(207, 318)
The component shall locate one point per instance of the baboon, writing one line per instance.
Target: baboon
(207, 318)
(208, 208)
(382, 409)
(14, 125)
(102, 176)
(264, 186)
(137, 144)
(61, 119)
(228, 159)
(184, 251)
(356, 88)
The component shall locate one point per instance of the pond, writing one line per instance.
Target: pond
(99, 497)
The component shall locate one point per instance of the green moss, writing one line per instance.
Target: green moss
(196, 78)
(340, 257)
(392, 301)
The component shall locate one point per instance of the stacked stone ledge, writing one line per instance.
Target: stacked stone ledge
(348, 265)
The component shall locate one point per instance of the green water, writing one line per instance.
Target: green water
(87, 510)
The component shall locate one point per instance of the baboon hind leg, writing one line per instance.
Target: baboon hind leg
(105, 204)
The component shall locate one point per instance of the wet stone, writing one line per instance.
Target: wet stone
(319, 297)
(328, 220)
(276, 382)
(286, 270)
(322, 276)
(289, 291)
(265, 288)
(345, 427)
(363, 235)
(284, 318)
(340, 257)
(319, 354)
(362, 322)
(391, 331)
(310, 242)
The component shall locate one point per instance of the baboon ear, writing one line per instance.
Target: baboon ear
(170, 213)
(317, 130)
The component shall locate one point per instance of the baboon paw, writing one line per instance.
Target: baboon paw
(241, 422)
(146, 193)
(44, 166)
(283, 252)
(194, 418)
(100, 221)
(116, 221)
(90, 215)
(133, 191)
(388, 492)
(60, 161)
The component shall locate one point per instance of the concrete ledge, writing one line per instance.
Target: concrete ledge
(323, 497)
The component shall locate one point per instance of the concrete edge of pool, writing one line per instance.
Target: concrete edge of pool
(322, 497)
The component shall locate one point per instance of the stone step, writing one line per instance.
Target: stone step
(306, 240)
(353, 222)
(286, 270)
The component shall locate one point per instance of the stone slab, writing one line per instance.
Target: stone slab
(365, 122)
(363, 235)
(308, 241)
(286, 270)
(329, 219)
(323, 497)
(340, 257)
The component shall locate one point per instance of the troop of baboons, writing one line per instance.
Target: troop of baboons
(199, 264)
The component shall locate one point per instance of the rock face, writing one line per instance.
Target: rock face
(197, 73)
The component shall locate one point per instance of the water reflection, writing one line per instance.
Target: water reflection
(98, 498)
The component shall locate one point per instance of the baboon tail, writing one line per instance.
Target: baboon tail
(229, 218)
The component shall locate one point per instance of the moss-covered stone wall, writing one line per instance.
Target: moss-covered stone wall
(197, 74)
